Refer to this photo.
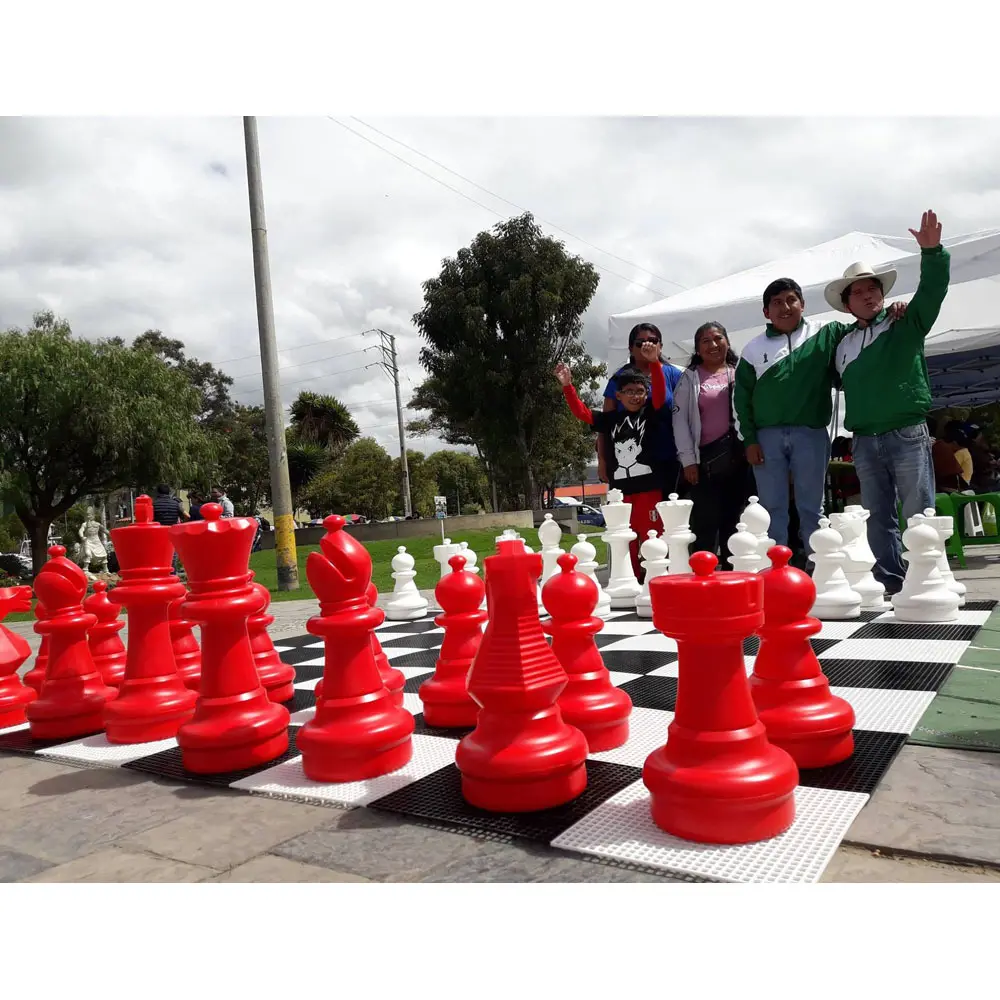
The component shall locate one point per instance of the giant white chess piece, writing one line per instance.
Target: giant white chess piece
(654, 559)
(676, 517)
(925, 596)
(744, 551)
(945, 527)
(852, 526)
(586, 563)
(405, 602)
(444, 552)
(834, 597)
(549, 534)
(623, 588)
(758, 522)
(470, 557)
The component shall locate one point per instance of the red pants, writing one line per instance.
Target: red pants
(645, 517)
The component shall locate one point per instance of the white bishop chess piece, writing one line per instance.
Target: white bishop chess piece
(744, 551)
(852, 526)
(586, 563)
(549, 535)
(675, 515)
(405, 602)
(623, 588)
(834, 597)
(925, 596)
(470, 557)
(758, 522)
(654, 553)
(945, 527)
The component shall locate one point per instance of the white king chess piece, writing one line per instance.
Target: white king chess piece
(758, 522)
(925, 596)
(444, 552)
(654, 559)
(549, 535)
(744, 551)
(945, 527)
(405, 602)
(852, 526)
(834, 597)
(586, 563)
(675, 516)
(623, 587)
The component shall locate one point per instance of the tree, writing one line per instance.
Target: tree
(423, 483)
(83, 417)
(305, 462)
(461, 478)
(243, 463)
(495, 322)
(322, 420)
(362, 481)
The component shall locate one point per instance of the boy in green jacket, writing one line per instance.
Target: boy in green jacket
(887, 395)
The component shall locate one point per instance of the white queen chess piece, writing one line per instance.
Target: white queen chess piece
(744, 551)
(405, 602)
(549, 535)
(675, 515)
(852, 526)
(834, 597)
(623, 588)
(586, 556)
(945, 527)
(654, 553)
(925, 596)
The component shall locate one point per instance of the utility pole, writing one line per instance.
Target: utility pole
(388, 346)
(277, 453)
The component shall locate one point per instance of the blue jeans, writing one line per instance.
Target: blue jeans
(895, 467)
(805, 453)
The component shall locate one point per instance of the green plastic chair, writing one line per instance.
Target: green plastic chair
(959, 502)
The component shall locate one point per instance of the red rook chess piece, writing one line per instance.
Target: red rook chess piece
(445, 696)
(152, 700)
(34, 677)
(522, 756)
(187, 652)
(73, 696)
(358, 731)
(718, 780)
(590, 701)
(277, 676)
(15, 695)
(107, 650)
(789, 688)
(234, 726)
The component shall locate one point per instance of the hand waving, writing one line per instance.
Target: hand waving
(929, 235)
(563, 375)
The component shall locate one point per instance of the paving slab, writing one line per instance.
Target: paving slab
(852, 864)
(270, 868)
(16, 866)
(115, 864)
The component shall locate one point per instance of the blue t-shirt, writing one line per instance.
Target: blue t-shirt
(662, 447)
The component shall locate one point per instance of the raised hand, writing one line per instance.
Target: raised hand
(650, 351)
(929, 234)
(562, 373)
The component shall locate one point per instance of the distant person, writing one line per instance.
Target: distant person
(984, 466)
(167, 509)
(194, 505)
(219, 497)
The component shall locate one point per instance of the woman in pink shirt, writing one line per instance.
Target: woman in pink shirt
(708, 448)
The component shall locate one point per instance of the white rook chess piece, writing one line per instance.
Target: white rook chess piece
(676, 517)
(405, 602)
(945, 527)
(834, 597)
(549, 534)
(444, 552)
(586, 563)
(744, 551)
(852, 526)
(758, 521)
(654, 558)
(925, 596)
(623, 587)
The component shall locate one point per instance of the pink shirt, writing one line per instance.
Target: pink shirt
(713, 403)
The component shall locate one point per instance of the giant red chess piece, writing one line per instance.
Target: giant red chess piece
(789, 688)
(106, 647)
(34, 677)
(15, 695)
(590, 701)
(152, 700)
(522, 756)
(277, 676)
(235, 725)
(718, 780)
(73, 696)
(187, 652)
(445, 695)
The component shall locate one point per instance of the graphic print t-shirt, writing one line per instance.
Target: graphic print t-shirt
(662, 447)
(634, 465)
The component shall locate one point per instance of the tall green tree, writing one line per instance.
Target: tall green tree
(323, 420)
(243, 467)
(461, 478)
(305, 463)
(423, 483)
(362, 481)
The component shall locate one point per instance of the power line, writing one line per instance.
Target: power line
(313, 361)
(299, 347)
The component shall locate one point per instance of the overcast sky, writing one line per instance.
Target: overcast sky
(123, 225)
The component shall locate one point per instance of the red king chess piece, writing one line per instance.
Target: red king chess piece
(718, 780)
(235, 725)
(106, 648)
(277, 676)
(590, 701)
(73, 696)
(522, 756)
(358, 731)
(789, 688)
(34, 677)
(187, 652)
(445, 695)
(152, 700)
(15, 695)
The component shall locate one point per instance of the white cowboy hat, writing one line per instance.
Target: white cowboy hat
(856, 272)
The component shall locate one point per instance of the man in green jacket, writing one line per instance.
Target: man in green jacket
(887, 395)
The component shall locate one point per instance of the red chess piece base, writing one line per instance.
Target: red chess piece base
(148, 709)
(15, 697)
(211, 744)
(69, 708)
(447, 704)
(600, 736)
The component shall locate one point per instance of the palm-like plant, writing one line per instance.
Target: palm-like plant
(322, 420)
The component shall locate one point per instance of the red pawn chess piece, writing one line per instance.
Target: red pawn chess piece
(152, 700)
(590, 701)
(187, 652)
(34, 677)
(789, 688)
(358, 732)
(446, 698)
(277, 677)
(107, 650)
(234, 726)
(15, 695)
(718, 780)
(73, 696)
(521, 756)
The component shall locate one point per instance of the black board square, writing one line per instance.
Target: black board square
(870, 616)
(863, 770)
(21, 741)
(437, 800)
(820, 645)
(298, 641)
(914, 630)
(412, 685)
(422, 729)
(987, 605)
(751, 645)
(406, 628)
(302, 699)
(301, 654)
(601, 640)
(636, 661)
(631, 616)
(425, 659)
(887, 675)
(311, 673)
(424, 640)
(652, 692)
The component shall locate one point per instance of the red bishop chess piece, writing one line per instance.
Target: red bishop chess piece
(34, 677)
(358, 731)
(106, 648)
(445, 696)
(277, 676)
(73, 696)
(15, 695)
(152, 700)
(590, 701)
(718, 780)
(235, 725)
(522, 756)
(187, 652)
(789, 688)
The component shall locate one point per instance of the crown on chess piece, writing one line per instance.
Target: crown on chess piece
(215, 548)
(341, 573)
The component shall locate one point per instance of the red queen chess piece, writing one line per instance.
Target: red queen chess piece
(789, 688)
(152, 700)
(277, 676)
(15, 695)
(34, 677)
(358, 732)
(718, 780)
(234, 726)
(73, 696)
(522, 756)
(107, 650)
(187, 652)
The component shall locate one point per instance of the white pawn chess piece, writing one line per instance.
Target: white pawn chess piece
(758, 521)
(925, 596)
(405, 602)
(586, 563)
(852, 526)
(549, 534)
(945, 527)
(444, 552)
(675, 515)
(654, 553)
(744, 551)
(623, 588)
(834, 597)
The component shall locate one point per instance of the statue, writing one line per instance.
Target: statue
(92, 550)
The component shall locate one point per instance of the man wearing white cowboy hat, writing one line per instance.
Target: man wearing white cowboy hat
(887, 393)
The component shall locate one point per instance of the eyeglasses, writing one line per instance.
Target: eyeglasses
(634, 393)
